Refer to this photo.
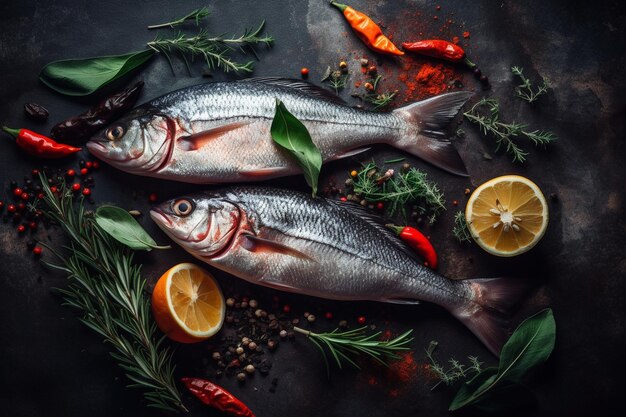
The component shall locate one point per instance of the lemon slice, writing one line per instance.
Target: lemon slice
(507, 215)
(187, 304)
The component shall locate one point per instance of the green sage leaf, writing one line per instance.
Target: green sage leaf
(528, 347)
(81, 77)
(289, 133)
(124, 228)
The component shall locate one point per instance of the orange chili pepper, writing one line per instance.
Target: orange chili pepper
(369, 32)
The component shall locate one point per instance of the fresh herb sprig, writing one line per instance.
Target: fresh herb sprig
(346, 346)
(214, 50)
(196, 15)
(105, 285)
(337, 80)
(525, 90)
(456, 372)
(461, 229)
(505, 133)
(398, 190)
(379, 100)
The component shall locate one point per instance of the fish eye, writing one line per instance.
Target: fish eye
(182, 207)
(115, 132)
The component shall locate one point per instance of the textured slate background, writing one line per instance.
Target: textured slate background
(53, 365)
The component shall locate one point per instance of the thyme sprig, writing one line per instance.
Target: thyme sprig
(214, 50)
(504, 133)
(105, 285)
(346, 346)
(457, 371)
(525, 90)
(399, 190)
(196, 15)
(461, 228)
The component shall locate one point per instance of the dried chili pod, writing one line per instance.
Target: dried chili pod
(36, 112)
(217, 397)
(81, 127)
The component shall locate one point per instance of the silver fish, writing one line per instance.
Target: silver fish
(292, 242)
(220, 132)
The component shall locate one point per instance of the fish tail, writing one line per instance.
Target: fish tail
(488, 311)
(430, 117)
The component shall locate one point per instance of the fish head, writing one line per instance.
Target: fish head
(137, 143)
(205, 225)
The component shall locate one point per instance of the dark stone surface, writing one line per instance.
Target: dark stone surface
(53, 365)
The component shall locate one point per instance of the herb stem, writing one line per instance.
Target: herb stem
(196, 15)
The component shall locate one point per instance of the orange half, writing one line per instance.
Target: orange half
(507, 215)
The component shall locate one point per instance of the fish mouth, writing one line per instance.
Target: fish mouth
(159, 217)
(96, 148)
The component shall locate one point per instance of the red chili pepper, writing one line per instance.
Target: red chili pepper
(416, 240)
(38, 145)
(438, 48)
(217, 397)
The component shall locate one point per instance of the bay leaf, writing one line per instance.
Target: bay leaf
(289, 133)
(81, 77)
(123, 227)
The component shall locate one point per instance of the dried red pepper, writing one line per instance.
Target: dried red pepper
(39, 145)
(369, 32)
(86, 124)
(217, 397)
(438, 48)
(416, 240)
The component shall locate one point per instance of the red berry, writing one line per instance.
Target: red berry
(456, 203)
(286, 308)
(96, 165)
(37, 251)
(304, 72)
(76, 186)
(32, 225)
(361, 320)
(86, 192)
(17, 192)
(328, 315)
(53, 189)
(34, 172)
(11, 208)
(344, 199)
(84, 171)
(21, 228)
(88, 164)
(380, 205)
(24, 196)
(21, 207)
(153, 198)
(70, 172)
(40, 196)
(426, 264)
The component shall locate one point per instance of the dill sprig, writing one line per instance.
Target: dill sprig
(399, 190)
(461, 229)
(214, 50)
(196, 15)
(105, 285)
(379, 100)
(346, 346)
(337, 80)
(525, 90)
(504, 133)
(457, 371)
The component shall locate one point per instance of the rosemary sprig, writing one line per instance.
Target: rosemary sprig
(347, 345)
(525, 90)
(456, 371)
(105, 285)
(196, 15)
(214, 50)
(461, 229)
(410, 187)
(504, 133)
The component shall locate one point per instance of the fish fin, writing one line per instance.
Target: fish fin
(403, 301)
(431, 116)
(300, 85)
(350, 153)
(488, 313)
(197, 140)
(376, 222)
(260, 245)
(262, 173)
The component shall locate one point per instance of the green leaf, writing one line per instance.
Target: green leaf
(528, 347)
(81, 77)
(289, 132)
(124, 228)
